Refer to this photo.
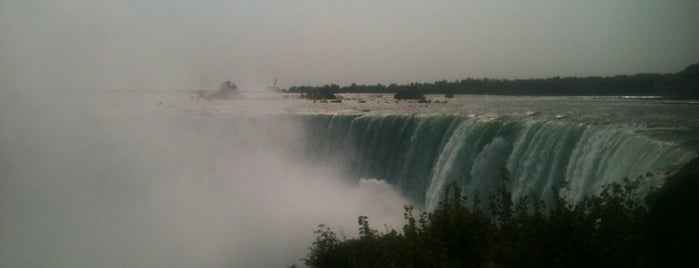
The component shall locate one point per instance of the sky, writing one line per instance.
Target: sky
(108, 178)
(185, 45)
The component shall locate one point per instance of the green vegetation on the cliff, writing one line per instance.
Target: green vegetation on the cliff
(606, 230)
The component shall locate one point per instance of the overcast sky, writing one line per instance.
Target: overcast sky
(164, 44)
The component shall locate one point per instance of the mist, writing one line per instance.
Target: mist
(184, 45)
(113, 179)
(105, 160)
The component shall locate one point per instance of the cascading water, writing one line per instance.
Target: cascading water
(422, 154)
(150, 179)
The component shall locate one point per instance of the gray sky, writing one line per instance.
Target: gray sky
(159, 44)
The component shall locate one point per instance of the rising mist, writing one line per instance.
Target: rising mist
(114, 179)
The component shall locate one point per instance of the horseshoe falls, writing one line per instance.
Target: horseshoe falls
(422, 154)
(166, 179)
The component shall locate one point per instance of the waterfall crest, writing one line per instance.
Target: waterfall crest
(421, 154)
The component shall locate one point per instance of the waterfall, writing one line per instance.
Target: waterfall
(422, 154)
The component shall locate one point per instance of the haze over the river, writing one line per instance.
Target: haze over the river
(197, 44)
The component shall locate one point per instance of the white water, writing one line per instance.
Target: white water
(161, 179)
(422, 154)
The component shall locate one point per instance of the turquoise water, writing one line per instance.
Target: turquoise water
(160, 178)
(543, 142)
(422, 154)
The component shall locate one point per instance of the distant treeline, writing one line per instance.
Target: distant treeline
(683, 84)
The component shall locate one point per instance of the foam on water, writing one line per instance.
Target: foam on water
(421, 154)
(159, 178)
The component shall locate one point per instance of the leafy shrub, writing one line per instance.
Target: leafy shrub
(601, 231)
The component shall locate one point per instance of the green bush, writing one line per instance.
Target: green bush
(601, 231)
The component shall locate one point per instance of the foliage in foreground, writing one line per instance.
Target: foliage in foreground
(601, 231)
